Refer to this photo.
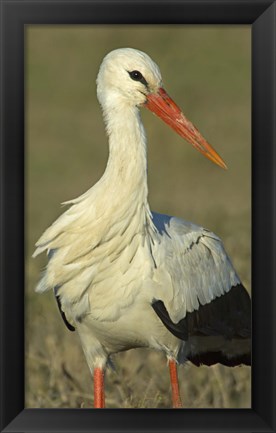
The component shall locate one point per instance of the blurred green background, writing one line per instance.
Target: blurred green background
(206, 70)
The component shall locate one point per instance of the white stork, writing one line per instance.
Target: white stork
(126, 277)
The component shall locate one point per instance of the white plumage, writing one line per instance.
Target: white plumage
(111, 258)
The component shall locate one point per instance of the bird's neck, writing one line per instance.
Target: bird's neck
(126, 169)
(121, 193)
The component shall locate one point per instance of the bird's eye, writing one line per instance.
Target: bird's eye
(136, 76)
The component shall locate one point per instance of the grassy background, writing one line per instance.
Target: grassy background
(207, 71)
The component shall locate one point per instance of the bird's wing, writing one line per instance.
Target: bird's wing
(64, 318)
(203, 293)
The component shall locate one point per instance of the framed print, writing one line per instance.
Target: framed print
(55, 148)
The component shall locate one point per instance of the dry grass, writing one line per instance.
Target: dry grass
(207, 71)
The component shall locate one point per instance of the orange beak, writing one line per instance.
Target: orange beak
(164, 107)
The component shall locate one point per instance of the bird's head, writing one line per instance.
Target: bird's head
(129, 77)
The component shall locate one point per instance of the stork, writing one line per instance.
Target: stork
(125, 277)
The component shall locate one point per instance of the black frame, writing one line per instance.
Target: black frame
(261, 14)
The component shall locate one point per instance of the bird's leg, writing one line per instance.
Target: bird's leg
(175, 385)
(99, 400)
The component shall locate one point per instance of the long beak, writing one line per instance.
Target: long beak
(164, 107)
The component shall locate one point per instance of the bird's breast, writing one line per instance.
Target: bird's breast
(108, 280)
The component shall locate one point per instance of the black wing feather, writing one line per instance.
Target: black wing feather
(228, 315)
(68, 325)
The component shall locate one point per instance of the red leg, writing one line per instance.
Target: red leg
(174, 384)
(99, 401)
